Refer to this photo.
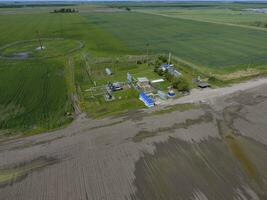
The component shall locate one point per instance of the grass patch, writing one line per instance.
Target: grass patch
(125, 101)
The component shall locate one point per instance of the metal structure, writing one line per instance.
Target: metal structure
(97, 91)
(147, 45)
(129, 78)
(39, 39)
(108, 71)
(169, 60)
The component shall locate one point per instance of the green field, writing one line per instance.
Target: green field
(31, 49)
(37, 94)
(239, 17)
(204, 44)
(33, 94)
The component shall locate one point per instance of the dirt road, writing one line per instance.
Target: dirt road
(216, 151)
(208, 94)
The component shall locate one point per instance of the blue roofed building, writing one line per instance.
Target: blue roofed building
(146, 99)
(170, 69)
(165, 66)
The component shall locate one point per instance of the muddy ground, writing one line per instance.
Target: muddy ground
(211, 151)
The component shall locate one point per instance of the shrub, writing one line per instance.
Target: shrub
(212, 79)
(158, 63)
(160, 72)
(156, 68)
(181, 84)
(163, 59)
(160, 60)
(169, 77)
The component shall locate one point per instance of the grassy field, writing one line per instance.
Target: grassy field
(37, 94)
(50, 48)
(241, 17)
(209, 45)
(186, 5)
(34, 92)
(33, 95)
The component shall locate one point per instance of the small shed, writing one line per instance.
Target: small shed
(170, 69)
(115, 86)
(165, 66)
(108, 71)
(143, 80)
(143, 83)
(146, 99)
(157, 81)
(202, 84)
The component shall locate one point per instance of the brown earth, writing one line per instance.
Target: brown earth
(212, 151)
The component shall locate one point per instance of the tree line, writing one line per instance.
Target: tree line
(65, 10)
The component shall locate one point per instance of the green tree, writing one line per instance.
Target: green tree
(181, 84)
(163, 59)
(158, 63)
(169, 77)
(160, 60)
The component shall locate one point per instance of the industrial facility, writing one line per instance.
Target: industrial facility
(151, 91)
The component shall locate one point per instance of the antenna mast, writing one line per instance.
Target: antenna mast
(169, 58)
(147, 45)
(39, 39)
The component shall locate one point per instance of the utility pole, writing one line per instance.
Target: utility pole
(147, 45)
(169, 61)
(39, 39)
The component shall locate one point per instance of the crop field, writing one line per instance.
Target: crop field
(37, 93)
(32, 49)
(33, 95)
(241, 17)
(204, 44)
(33, 92)
(188, 5)
(116, 149)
